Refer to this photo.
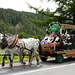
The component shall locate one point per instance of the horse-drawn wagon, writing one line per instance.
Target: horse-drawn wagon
(66, 47)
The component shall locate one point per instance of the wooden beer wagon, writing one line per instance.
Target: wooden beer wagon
(68, 48)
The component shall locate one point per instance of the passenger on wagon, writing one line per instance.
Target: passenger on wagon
(54, 41)
(50, 39)
(45, 40)
(72, 34)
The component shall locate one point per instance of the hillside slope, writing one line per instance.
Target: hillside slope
(12, 21)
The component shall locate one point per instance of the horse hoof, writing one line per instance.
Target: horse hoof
(9, 67)
(24, 66)
(21, 63)
(29, 65)
(37, 63)
(24, 63)
(3, 64)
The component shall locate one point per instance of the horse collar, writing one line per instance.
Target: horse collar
(13, 43)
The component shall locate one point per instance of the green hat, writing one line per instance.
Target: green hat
(54, 28)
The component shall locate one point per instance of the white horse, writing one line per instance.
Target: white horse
(11, 45)
(31, 45)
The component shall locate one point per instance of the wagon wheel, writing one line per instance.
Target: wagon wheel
(43, 58)
(59, 58)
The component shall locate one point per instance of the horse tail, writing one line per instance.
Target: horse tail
(40, 49)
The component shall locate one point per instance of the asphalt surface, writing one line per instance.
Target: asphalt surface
(50, 67)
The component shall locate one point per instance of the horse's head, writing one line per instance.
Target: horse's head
(3, 42)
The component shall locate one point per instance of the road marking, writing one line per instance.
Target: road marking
(39, 70)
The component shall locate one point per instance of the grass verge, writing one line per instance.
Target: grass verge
(16, 59)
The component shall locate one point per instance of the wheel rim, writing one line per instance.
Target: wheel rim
(60, 58)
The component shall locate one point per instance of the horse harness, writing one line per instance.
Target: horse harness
(13, 43)
(22, 45)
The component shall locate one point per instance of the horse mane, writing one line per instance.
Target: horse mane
(9, 35)
(12, 40)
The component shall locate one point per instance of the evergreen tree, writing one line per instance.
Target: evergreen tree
(65, 11)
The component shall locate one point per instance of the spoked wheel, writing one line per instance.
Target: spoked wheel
(43, 58)
(59, 58)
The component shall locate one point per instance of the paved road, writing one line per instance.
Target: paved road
(50, 67)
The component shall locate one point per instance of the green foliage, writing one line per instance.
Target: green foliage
(12, 21)
(47, 15)
(22, 35)
(5, 32)
(65, 11)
